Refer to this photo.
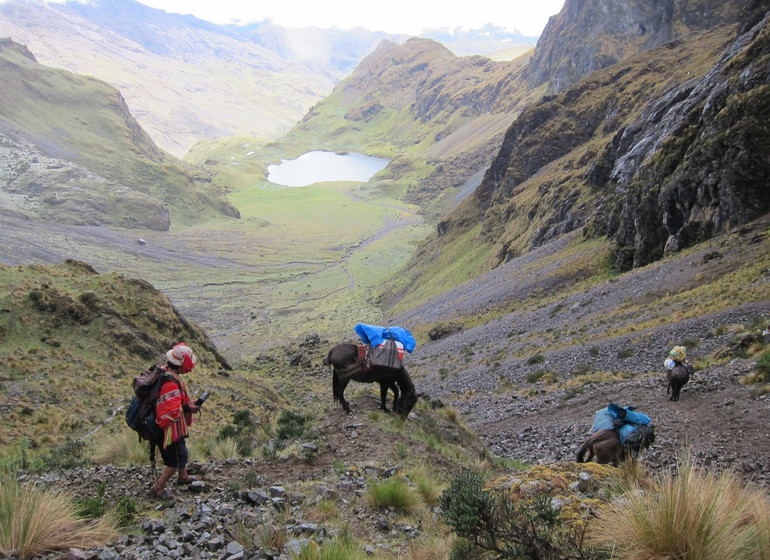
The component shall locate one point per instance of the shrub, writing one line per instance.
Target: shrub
(763, 367)
(490, 521)
(290, 425)
(392, 493)
(33, 521)
(582, 369)
(536, 359)
(241, 430)
(67, 456)
(543, 374)
(690, 515)
(125, 510)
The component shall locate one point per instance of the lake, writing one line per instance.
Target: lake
(319, 166)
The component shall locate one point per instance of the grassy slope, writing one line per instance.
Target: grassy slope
(67, 334)
(513, 219)
(86, 121)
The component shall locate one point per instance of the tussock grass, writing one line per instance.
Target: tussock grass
(224, 448)
(122, 449)
(694, 514)
(324, 510)
(434, 547)
(343, 547)
(33, 521)
(392, 493)
(426, 484)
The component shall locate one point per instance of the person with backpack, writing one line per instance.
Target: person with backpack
(173, 415)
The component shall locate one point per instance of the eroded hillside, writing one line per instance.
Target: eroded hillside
(654, 158)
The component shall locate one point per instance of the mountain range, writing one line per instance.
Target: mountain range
(631, 133)
(188, 80)
(547, 227)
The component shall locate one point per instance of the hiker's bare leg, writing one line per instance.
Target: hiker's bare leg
(183, 475)
(164, 477)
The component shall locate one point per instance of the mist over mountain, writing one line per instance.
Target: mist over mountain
(74, 154)
(547, 227)
(188, 80)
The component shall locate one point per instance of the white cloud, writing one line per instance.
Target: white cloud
(393, 16)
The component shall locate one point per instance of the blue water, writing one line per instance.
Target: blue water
(318, 166)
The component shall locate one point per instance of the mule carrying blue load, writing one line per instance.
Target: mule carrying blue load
(633, 427)
(384, 346)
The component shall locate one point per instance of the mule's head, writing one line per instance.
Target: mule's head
(405, 404)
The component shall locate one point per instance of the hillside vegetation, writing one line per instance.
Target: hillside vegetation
(595, 203)
(654, 160)
(75, 154)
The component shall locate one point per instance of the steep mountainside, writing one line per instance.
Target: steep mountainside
(183, 79)
(73, 153)
(659, 151)
(588, 36)
(449, 114)
(79, 331)
(421, 106)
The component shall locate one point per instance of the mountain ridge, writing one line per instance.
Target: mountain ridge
(547, 180)
(94, 153)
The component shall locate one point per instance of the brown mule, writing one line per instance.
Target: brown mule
(605, 446)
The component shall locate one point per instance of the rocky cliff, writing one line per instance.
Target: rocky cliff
(658, 151)
(588, 36)
(696, 162)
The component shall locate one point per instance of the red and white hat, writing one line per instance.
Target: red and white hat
(181, 355)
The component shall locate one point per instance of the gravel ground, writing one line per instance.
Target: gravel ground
(483, 371)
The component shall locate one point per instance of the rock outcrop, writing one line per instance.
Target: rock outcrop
(589, 36)
(659, 151)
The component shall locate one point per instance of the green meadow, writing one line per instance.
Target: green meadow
(300, 260)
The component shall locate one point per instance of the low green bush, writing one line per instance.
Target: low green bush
(291, 425)
(491, 522)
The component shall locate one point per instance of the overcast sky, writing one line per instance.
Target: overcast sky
(392, 16)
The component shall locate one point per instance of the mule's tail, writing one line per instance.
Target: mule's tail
(582, 451)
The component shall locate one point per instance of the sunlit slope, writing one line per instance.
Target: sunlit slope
(71, 341)
(101, 160)
(546, 180)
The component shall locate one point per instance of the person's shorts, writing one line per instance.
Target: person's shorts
(175, 455)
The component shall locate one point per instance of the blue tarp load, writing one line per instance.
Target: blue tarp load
(374, 335)
(604, 419)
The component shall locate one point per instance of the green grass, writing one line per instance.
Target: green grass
(342, 547)
(463, 260)
(392, 493)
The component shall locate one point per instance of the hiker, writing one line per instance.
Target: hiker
(173, 414)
